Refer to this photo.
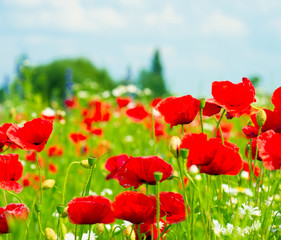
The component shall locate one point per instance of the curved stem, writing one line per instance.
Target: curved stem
(218, 123)
(15, 195)
(65, 180)
(6, 148)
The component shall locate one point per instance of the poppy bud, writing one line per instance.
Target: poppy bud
(184, 153)
(99, 228)
(91, 161)
(50, 234)
(202, 103)
(158, 176)
(60, 209)
(261, 117)
(48, 184)
(85, 164)
(174, 145)
(130, 233)
(64, 213)
(38, 207)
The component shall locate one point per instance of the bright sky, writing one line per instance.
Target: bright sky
(200, 41)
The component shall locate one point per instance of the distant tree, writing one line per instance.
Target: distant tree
(153, 78)
(256, 80)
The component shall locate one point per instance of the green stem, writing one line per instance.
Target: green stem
(40, 179)
(90, 227)
(15, 195)
(5, 197)
(153, 130)
(6, 148)
(201, 120)
(40, 225)
(58, 230)
(218, 123)
(30, 216)
(65, 180)
(75, 234)
(182, 129)
(158, 209)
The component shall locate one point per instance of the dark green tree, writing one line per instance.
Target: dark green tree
(153, 78)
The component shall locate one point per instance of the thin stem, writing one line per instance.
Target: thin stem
(201, 120)
(39, 224)
(90, 227)
(15, 195)
(218, 123)
(65, 180)
(153, 130)
(182, 129)
(158, 209)
(5, 197)
(41, 190)
(75, 234)
(58, 230)
(6, 148)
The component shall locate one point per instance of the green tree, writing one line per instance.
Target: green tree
(153, 78)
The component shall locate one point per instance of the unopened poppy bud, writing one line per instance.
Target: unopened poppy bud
(99, 228)
(64, 213)
(158, 176)
(85, 164)
(38, 207)
(60, 209)
(202, 103)
(174, 145)
(261, 117)
(130, 233)
(48, 184)
(50, 234)
(91, 161)
(184, 153)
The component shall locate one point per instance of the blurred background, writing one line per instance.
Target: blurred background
(166, 47)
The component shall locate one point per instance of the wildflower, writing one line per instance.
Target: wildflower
(269, 201)
(251, 211)
(217, 227)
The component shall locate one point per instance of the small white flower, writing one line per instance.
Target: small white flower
(228, 230)
(248, 209)
(85, 236)
(246, 230)
(129, 138)
(49, 112)
(69, 236)
(198, 177)
(256, 225)
(147, 91)
(269, 201)
(217, 227)
(194, 169)
(106, 191)
(248, 192)
(126, 223)
(32, 166)
(245, 175)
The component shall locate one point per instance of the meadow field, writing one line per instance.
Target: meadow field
(122, 165)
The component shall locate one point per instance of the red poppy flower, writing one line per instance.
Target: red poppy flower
(211, 155)
(172, 204)
(269, 149)
(137, 114)
(178, 110)
(31, 179)
(11, 171)
(13, 211)
(253, 150)
(145, 228)
(53, 168)
(71, 102)
(139, 170)
(90, 210)
(114, 163)
(123, 101)
(246, 168)
(134, 207)
(48, 114)
(234, 98)
(276, 99)
(155, 101)
(33, 135)
(211, 108)
(55, 151)
(97, 131)
(273, 122)
(77, 137)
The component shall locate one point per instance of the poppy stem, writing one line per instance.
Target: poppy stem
(90, 227)
(30, 215)
(253, 170)
(16, 196)
(58, 230)
(153, 130)
(40, 179)
(5, 197)
(201, 120)
(158, 209)
(75, 234)
(182, 129)
(6, 148)
(218, 123)
(250, 163)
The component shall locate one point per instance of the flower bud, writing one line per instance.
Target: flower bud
(158, 176)
(261, 117)
(130, 233)
(174, 145)
(38, 207)
(99, 228)
(64, 213)
(60, 209)
(202, 103)
(92, 161)
(50, 234)
(48, 184)
(184, 153)
(85, 164)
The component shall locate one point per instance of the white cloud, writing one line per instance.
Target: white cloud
(167, 16)
(70, 15)
(131, 3)
(221, 24)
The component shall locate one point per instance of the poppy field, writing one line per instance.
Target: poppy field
(122, 165)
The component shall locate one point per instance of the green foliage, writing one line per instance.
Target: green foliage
(49, 79)
(153, 79)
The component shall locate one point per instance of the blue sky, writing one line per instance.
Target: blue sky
(200, 41)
